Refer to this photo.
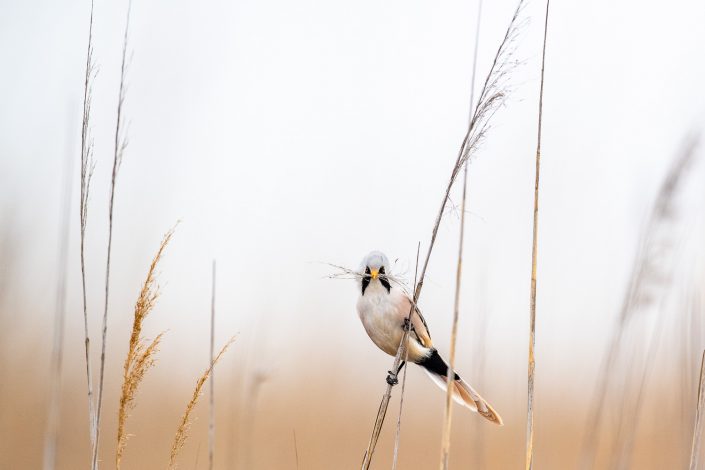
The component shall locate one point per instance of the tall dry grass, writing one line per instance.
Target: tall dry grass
(448, 412)
(119, 149)
(698, 426)
(140, 354)
(87, 167)
(405, 354)
(529, 461)
(184, 424)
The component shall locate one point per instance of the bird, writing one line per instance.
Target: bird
(384, 310)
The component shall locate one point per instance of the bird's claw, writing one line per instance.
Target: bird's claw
(407, 323)
(392, 378)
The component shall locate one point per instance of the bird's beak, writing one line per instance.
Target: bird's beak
(374, 273)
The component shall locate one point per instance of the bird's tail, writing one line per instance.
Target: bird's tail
(463, 393)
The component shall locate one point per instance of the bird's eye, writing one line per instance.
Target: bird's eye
(381, 270)
(367, 270)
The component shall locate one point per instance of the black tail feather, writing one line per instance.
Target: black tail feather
(434, 363)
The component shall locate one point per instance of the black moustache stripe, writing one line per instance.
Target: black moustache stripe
(365, 282)
(385, 283)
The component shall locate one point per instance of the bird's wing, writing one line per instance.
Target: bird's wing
(418, 325)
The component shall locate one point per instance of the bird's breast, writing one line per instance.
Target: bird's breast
(380, 317)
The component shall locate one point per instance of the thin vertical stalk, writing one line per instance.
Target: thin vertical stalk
(477, 450)
(120, 145)
(211, 414)
(397, 436)
(296, 450)
(698, 428)
(87, 167)
(57, 354)
(445, 442)
(447, 417)
(534, 255)
(185, 422)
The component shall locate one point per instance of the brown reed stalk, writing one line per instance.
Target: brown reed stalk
(185, 422)
(296, 450)
(492, 97)
(211, 411)
(120, 145)
(447, 417)
(382, 411)
(87, 167)
(529, 462)
(397, 436)
(57, 353)
(479, 350)
(140, 356)
(650, 279)
(693, 333)
(698, 428)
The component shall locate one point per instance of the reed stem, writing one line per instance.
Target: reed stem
(534, 255)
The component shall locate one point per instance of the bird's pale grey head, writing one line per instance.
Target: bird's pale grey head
(375, 269)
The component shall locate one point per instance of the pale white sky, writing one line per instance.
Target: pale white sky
(286, 134)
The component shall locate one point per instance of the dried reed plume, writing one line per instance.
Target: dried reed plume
(87, 166)
(120, 145)
(185, 422)
(492, 97)
(140, 355)
(650, 279)
(529, 462)
(447, 417)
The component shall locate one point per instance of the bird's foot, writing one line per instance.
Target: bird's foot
(407, 324)
(392, 378)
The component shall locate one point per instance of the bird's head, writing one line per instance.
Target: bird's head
(375, 267)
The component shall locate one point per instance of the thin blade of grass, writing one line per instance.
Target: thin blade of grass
(529, 461)
(698, 427)
(397, 436)
(120, 145)
(184, 424)
(296, 449)
(447, 417)
(87, 166)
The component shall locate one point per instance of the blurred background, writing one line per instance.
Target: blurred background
(288, 135)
